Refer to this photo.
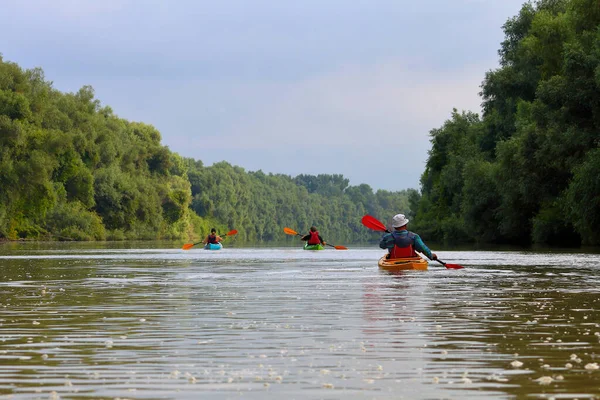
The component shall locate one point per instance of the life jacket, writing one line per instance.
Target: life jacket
(403, 245)
(314, 238)
(212, 239)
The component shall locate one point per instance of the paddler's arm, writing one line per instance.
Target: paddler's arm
(387, 241)
(420, 246)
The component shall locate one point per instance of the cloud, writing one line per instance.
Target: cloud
(387, 101)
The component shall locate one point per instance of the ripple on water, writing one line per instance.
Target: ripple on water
(268, 323)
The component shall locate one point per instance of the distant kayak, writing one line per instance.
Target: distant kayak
(313, 247)
(211, 246)
(402, 264)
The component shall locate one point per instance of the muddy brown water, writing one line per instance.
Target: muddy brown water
(273, 323)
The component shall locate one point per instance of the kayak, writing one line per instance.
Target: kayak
(313, 247)
(402, 264)
(212, 246)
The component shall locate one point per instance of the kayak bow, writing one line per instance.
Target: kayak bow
(313, 247)
(403, 264)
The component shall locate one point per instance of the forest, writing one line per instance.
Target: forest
(70, 169)
(526, 170)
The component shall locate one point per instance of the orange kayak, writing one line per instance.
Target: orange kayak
(402, 264)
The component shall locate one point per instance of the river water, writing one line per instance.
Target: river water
(79, 322)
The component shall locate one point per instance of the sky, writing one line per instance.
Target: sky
(349, 87)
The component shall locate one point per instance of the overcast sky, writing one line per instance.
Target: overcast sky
(348, 87)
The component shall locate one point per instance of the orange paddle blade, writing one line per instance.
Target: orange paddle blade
(289, 231)
(373, 223)
(450, 266)
(231, 232)
(188, 246)
(337, 247)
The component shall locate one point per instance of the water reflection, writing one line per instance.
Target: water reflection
(268, 323)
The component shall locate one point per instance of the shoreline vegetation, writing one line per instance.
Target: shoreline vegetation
(524, 172)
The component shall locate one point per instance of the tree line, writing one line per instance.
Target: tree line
(527, 170)
(70, 169)
(259, 205)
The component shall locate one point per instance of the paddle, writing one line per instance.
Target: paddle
(376, 225)
(188, 246)
(289, 231)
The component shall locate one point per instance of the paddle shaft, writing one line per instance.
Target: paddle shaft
(449, 266)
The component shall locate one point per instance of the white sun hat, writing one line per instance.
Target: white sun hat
(399, 220)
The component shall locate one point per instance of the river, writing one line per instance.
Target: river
(157, 322)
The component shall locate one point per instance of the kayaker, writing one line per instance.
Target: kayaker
(213, 238)
(402, 243)
(313, 237)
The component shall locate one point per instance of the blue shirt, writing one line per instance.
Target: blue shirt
(388, 242)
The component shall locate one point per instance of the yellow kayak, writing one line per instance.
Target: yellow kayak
(402, 264)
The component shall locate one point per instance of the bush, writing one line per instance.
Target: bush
(71, 221)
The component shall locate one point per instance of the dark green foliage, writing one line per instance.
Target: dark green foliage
(528, 171)
(480, 200)
(583, 198)
(70, 169)
(327, 185)
(71, 221)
